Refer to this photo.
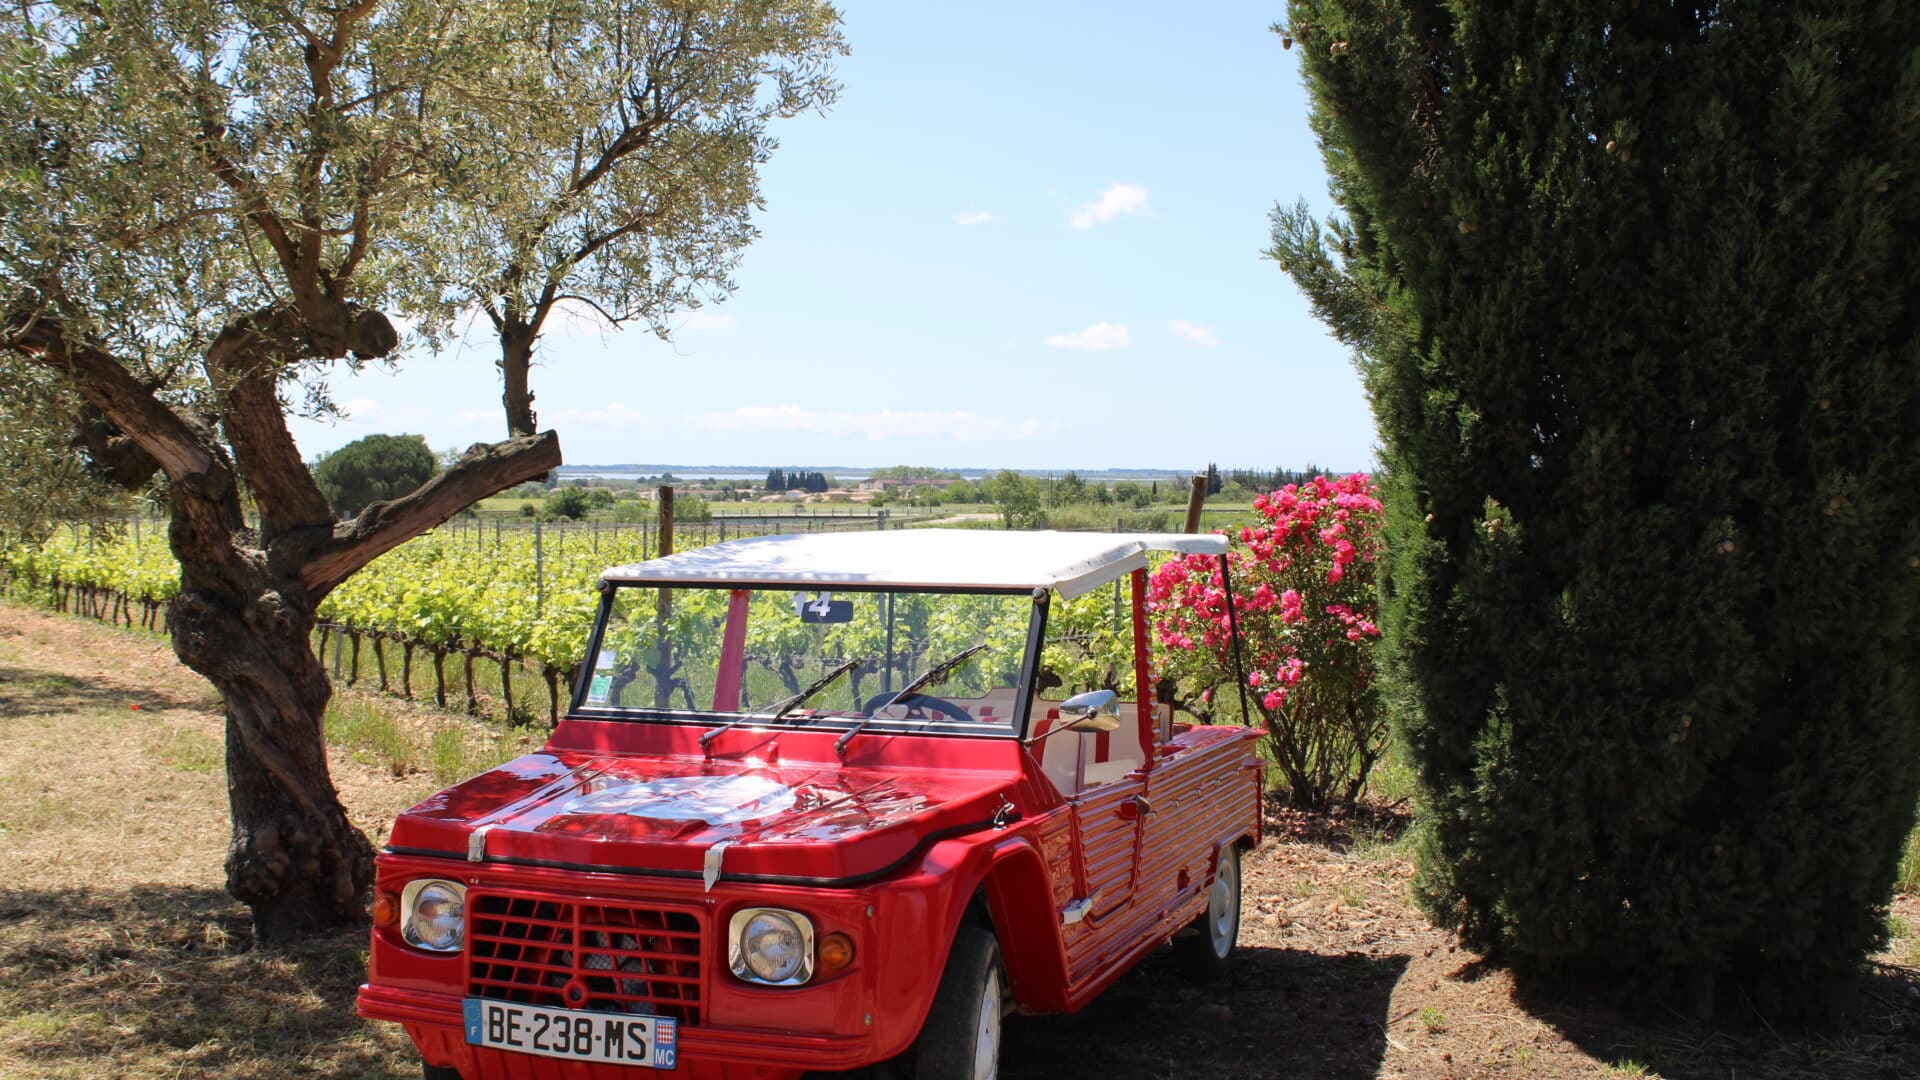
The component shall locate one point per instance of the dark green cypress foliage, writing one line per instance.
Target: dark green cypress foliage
(1634, 288)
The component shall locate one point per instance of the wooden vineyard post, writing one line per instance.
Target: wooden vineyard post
(473, 703)
(661, 687)
(666, 520)
(1196, 502)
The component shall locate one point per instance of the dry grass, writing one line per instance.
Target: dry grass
(160, 982)
(120, 953)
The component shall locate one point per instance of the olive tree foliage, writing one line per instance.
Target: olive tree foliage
(45, 477)
(629, 194)
(1634, 295)
(201, 211)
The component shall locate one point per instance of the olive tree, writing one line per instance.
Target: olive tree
(629, 196)
(207, 206)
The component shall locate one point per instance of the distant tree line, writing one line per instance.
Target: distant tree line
(779, 480)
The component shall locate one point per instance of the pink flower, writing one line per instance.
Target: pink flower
(1273, 699)
(1290, 607)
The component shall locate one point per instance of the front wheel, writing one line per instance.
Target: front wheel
(961, 1039)
(1203, 949)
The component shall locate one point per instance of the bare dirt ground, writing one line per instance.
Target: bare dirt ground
(121, 955)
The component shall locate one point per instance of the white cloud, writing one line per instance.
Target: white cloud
(958, 425)
(976, 217)
(1099, 337)
(706, 320)
(1119, 200)
(1194, 333)
(612, 414)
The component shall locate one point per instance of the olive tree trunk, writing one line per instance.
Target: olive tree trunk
(248, 598)
(294, 858)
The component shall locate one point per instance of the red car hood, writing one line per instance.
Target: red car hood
(634, 814)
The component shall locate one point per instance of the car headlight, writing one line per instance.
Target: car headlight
(433, 914)
(771, 946)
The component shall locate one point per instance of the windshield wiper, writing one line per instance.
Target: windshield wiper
(786, 706)
(931, 677)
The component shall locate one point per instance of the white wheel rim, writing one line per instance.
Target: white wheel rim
(986, 1041)
(1223, 906)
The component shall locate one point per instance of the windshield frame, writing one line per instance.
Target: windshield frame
(579, 709)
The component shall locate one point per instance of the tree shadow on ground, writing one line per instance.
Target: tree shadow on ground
(24, 690)
(163, 981)
(1873, 1032)
(1278, 1013)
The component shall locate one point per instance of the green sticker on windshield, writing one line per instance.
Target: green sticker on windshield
(599, 690)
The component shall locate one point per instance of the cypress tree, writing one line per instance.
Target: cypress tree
(1633, 291)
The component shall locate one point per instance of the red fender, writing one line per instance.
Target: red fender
(924, 909)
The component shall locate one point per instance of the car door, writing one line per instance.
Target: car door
(1106, 814)
(1204, 790)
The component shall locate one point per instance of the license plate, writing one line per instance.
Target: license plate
(648, 1042)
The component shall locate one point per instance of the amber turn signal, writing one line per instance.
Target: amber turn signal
(836, 951)
(386, 909)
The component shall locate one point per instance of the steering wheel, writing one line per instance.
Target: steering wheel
(919, 702)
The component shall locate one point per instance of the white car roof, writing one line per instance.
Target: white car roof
(1071, 562)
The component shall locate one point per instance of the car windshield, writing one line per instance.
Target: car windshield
(814, 657)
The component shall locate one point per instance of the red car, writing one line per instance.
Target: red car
(822, 802)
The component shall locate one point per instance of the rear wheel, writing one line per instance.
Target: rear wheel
(961, 1039)
(1203, 949)
(438, 1072)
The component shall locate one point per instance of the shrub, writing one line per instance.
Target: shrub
(375, 467)
(1303, 594)
(570, 502)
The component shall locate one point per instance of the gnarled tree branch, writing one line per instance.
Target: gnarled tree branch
(382, 526)
(108, 386)
(246, 361)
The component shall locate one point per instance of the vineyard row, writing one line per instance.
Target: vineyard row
(510, 599)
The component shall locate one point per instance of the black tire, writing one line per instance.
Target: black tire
(966, 1010)
(1201, 951)
(438, 1072)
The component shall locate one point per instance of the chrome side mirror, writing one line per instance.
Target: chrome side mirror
(1092, 711)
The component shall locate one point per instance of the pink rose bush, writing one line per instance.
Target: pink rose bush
(1303, 592)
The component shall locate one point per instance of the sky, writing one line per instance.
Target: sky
(1026, 236)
